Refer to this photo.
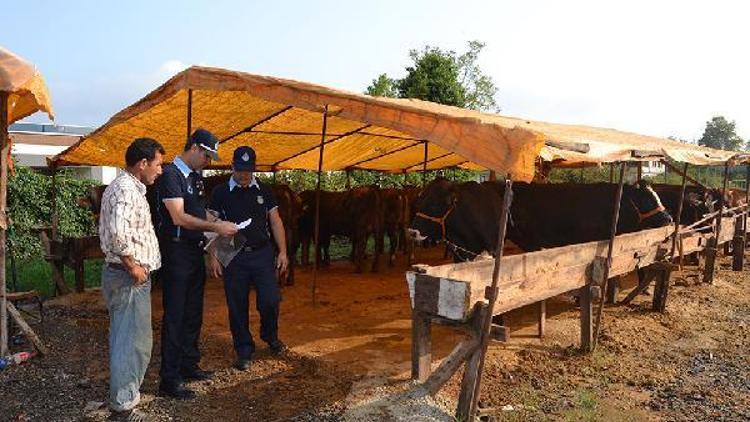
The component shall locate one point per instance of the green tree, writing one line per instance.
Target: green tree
(443, 77)
(383, 86)
(720, 133)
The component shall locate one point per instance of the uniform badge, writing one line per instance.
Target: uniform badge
(260, 199)
(245, 157)
(190, 189)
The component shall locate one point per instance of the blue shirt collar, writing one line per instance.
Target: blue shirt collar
(233, 184)
(181, 166)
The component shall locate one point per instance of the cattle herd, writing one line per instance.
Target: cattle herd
(465, 216)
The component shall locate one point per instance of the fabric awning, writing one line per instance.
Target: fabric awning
(282, 120)
(28, 92)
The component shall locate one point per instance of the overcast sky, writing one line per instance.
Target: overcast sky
(654, 67)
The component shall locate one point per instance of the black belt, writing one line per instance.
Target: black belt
(194, 242)
(254, 248)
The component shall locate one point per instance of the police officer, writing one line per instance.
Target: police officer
(181, 221)
(245, 198)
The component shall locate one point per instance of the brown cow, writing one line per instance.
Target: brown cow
(290, 210)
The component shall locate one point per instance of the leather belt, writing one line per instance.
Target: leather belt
(254, 248)
(199, 243)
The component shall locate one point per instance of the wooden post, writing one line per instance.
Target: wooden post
(587, 310)
(491, 296)
(608, 263)
(421, 344)
(661, 290)
(189, 115)
(711, 248)
(3, 224)
(492, 176)
(639, 170)
(317, 206)
(469, 380)
(678, 217)
(613, 289)
(611, 172)
(542, 317)
(738, 242)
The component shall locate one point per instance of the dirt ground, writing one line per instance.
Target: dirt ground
(350, 359)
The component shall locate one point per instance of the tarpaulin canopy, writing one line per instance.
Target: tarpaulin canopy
(25, 85)
(282, 119)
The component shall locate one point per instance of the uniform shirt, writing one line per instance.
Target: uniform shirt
(125, 227)
(178, 181)
(236, 204)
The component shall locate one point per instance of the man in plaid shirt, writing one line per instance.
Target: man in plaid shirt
(131, 253)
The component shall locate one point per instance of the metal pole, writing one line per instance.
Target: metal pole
(747, 198)
(3, 192)
(317, 207)
(491, 293)
(678, 217)
(713, 245)
(424, 165)
(608, 264)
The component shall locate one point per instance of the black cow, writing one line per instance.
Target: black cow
(542, 215)
(355, 213)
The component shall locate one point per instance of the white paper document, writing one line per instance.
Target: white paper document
(244, 224)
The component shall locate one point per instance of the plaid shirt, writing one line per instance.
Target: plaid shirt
(125, 227)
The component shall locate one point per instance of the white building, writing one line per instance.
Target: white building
(34, 143)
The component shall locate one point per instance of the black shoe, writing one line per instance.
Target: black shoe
(197, 374)
(242, 364)
(278, 347)
(176, 390)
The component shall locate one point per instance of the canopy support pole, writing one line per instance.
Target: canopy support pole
(472, 380)
(611, 172)
(605, 277)
(4, 222)
(747, 198)
(639, 170)
(317, 207)
(678, 217)
(711, 247)
(424, 164)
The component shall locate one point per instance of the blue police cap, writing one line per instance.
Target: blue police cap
(244, 159)
(207, 141)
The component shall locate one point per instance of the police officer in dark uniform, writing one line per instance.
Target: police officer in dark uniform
(245, 198)
(181, 220)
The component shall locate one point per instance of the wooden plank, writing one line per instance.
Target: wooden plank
(500, 332)
(542, 317)
(661, 291)
(587, 311)
(738, 247)
(450, 365)
(535, 276)
(642, 286)
(613, 289)
(421, 345)
(30, 334)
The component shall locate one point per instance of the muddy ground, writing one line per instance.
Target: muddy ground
(350, 359)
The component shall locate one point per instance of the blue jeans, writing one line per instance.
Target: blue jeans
(130, 335)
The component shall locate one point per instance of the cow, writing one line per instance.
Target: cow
(93, 200)
(355, 214)
(395, 217)
(290, 211)
(466, 216)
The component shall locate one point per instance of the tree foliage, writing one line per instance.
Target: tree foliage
(720, 134)
(30, 208)
(443, 77)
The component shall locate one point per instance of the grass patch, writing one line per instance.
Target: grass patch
(36, 274)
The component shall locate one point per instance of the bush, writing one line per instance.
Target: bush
(30, 207)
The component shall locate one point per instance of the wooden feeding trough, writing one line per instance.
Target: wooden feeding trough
(455, 293)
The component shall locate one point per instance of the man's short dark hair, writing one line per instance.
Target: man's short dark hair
(142, 148)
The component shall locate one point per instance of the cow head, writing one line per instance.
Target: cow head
(647, 209)
(432, 208)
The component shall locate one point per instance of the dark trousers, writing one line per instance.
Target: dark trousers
(183, 278)
(248, 269)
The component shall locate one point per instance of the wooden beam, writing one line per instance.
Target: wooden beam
(30, 334)
(661, 291)
(468, 382)
(367, 160)
(189, 116)
(450, 365)
(738, 247)
(613, 289)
